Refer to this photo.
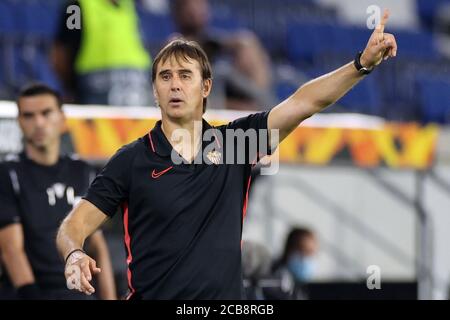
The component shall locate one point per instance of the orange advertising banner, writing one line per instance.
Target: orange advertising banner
(391, 145)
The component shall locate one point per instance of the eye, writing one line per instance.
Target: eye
(46, 113)
(185, 76)
(165, 77)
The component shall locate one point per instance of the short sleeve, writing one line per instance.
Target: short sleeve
(110, 187)
(9, 212)
(254, 125)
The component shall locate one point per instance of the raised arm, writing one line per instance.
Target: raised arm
(84, 219)
(319, 93)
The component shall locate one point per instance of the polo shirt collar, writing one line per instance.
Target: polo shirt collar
(162, 147)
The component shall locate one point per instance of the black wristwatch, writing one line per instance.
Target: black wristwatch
(359, 67)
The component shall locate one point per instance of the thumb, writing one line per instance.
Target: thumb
(93, 266)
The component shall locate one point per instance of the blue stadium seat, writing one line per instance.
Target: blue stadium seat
(434, 95)
(7, 39)
(18, 67)
(349, 40)
(225, 19)
(271, 20)
(365, 98)
(44, 71)
(226, 24)
(3, 80)
(52, 13)
(155, 28)
(427, 10)
(7, 19)
(305, 41)
(416, 44)
(39, 18)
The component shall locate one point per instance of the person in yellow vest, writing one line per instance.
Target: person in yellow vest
(103, 60)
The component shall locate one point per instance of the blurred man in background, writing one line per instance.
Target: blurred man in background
(38, 189)
(103, 62)
(242, 66)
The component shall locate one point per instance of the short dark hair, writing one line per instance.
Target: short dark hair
(36, 89)
(183, 49)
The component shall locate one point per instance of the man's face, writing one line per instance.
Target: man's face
(41, 120)
(179, 88)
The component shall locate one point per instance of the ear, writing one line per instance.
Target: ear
(206, 87)
(155, 94)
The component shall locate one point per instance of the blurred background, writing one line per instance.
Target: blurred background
(365, 184)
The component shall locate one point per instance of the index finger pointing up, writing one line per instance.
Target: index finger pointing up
(384, 19)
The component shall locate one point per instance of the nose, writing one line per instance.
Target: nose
(39, 121)
(176, 83)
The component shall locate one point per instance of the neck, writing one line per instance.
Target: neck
(187, 141)
(46, 156)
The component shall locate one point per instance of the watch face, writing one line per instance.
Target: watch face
(365, 70)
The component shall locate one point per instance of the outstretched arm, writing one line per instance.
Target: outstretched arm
(84, 219)
(319, 93)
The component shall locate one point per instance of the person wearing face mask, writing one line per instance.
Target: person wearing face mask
(296, 265)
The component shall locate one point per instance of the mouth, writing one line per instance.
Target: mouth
(39, 135)
(175, 101)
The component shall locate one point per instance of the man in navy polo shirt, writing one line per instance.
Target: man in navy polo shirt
(184, 196)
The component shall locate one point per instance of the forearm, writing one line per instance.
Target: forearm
(18, 267)
(84, 219)
(322, 92)
(313, 97)
(70, 237)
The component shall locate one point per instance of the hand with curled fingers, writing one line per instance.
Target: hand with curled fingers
(380, 46)
(79, 271)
